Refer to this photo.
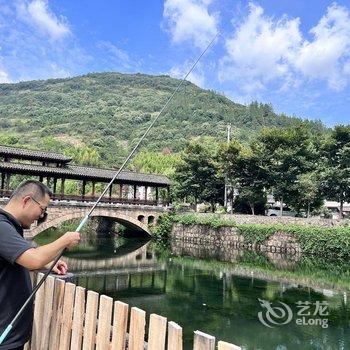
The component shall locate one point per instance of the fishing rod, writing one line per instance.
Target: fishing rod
(84, 220)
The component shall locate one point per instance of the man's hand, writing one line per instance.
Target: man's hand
(71, 239)
(60, 268)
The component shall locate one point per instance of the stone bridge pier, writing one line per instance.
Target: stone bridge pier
(136, 217)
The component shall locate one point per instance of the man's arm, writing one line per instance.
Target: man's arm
(37, 258)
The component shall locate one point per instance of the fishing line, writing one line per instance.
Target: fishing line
(84, 220)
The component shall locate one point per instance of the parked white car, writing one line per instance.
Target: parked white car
(275, 210)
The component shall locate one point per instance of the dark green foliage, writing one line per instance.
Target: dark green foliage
(244, 172)
(256, 233)
(335, 169)
(326, 242)
(163, 227)
(213, 221)
(157, 163)
(197, 176)
(285, 154)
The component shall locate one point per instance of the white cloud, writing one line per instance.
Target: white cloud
(38, 13)
(328, 55)
(4, 77)
(32, 52)
(117, 56)
(260, 50)
(264, 50)
(196, 77)
(190, 20)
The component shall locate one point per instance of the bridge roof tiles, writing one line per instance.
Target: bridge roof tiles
(129, 176)
(87, 173)
(22, 153)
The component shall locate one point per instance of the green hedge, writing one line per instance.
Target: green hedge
(214, 221)
(326, 242)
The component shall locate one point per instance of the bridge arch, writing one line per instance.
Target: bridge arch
(141, 218)
(124, 219)
(150, 220)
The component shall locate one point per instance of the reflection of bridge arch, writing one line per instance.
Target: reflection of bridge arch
(128, 219)
(132, 266)
(138, 259)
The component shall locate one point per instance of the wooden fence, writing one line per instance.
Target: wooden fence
(69, 317)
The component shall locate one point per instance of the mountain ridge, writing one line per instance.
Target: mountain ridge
(108, 112)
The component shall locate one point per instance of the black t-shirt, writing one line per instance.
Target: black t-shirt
(15, 285)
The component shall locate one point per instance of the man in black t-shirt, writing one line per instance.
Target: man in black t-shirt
(27, 204)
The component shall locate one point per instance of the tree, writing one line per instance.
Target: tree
(307, 192)
(196, 176)
(251, 180)
(242, 169)
(285, 154)
(156, 163)
(83, 155)
(336, 170)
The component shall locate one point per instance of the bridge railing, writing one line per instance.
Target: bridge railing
(110, 200)
(69, 317)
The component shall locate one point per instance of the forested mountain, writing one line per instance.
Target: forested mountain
(98, 117)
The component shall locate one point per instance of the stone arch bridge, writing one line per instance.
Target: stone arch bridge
(137, 217)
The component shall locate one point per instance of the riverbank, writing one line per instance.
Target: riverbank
(327, 242)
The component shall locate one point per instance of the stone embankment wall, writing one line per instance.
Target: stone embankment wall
(280, 242)
(226, 244)
(229, 237)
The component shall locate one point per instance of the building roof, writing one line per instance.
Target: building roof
(22, 153)
(85, 173)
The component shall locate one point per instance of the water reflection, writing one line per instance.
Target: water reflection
(227, 306)
(218, 298)
(111, 256)
(118, 267)
(233, 255)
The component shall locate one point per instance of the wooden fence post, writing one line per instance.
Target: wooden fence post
(120, 323)
(203, 341)
(157, 332)
(47, 312)
(174, 336)
(38, 315)
(137, 329)
(227, 346)
(103, 337)
(67, 317)
(90, 321)
(78, 319)
(55, 329)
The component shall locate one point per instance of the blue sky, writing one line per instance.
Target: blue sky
(293, 54)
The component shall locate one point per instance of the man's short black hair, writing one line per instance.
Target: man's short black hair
(33, 187)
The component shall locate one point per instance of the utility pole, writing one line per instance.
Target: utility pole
(226, 180)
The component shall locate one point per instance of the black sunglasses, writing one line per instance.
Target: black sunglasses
(43, 209)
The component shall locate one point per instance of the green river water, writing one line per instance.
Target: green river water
(255, 302)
